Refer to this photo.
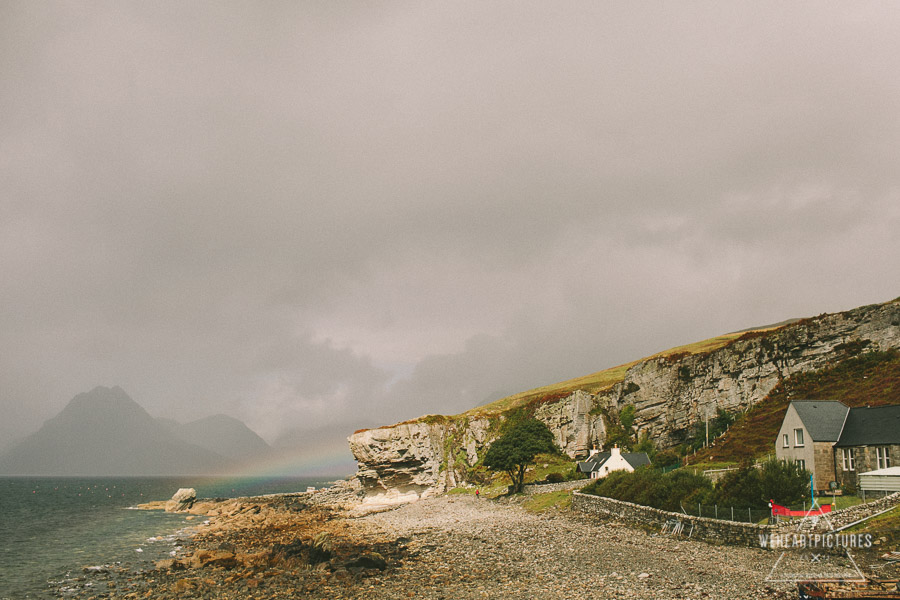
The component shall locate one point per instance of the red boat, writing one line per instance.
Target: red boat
(784, 511)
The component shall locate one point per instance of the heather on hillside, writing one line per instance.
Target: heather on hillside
(871, 378)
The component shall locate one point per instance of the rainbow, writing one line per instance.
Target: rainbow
(320, 463)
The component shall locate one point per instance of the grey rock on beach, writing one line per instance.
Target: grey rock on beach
(183, 500)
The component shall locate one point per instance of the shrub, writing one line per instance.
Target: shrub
(652, 488)
(626, 417)
(741, 488)
(666, 458)
(784, 480)
(749, 487)
(555, 478)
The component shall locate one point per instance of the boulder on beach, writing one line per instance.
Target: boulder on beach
(182, 500)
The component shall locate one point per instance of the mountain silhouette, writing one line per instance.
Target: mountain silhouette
(105, 432)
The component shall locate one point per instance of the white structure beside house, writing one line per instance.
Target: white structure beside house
(601, 464)
(880, 480)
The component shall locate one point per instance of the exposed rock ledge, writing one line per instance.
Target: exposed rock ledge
(421, 458)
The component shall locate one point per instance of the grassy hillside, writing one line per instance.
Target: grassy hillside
(601, 380)
(594, 382)
(872, 378)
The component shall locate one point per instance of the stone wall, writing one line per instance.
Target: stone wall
(540, 488)
(823, 465)
(720, 531)
(845, 516)
(717, 475)
(710, 530)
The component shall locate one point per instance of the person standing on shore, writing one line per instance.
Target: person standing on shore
(477, 494)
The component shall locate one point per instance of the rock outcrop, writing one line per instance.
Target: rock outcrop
(670, 393)
(182, 500)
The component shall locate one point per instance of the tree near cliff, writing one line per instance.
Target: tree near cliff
(513, 451)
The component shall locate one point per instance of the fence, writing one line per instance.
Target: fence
(668, 468)
(726, 513)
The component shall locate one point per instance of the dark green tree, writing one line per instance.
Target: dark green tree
(513, 451)
(783, 481)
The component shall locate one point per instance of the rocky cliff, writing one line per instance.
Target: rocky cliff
(670, 392)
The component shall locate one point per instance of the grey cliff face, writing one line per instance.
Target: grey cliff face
(673, 395)
(575, 429)
(670, 395)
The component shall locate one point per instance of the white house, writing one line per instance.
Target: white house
(601, 464)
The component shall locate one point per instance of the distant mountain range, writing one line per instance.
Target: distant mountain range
(105, 432)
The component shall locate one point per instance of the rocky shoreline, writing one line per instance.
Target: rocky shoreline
(328, 544)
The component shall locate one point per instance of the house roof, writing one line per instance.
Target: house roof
(871, 426)
(823, 419)
(635, 459)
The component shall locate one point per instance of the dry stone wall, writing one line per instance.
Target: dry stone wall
(711, 530)
(541, 488)
(720, 531)
(845, 516)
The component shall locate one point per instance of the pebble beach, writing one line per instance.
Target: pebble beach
(327, 545)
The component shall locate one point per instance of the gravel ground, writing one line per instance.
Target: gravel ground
(450, 547)
(468, 548)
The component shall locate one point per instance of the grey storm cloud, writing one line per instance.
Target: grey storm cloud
(321, 216)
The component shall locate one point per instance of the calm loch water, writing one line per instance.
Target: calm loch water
(51, 528)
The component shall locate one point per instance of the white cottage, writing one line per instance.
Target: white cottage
(601, 464)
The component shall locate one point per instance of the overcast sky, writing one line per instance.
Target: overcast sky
(320, 216)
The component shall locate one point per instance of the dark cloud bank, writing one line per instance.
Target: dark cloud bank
(318, 217)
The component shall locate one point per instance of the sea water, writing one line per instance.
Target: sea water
(52, 528)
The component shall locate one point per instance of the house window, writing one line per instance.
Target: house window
(798, 437)
(786, 440)
(883, 455)
(802, 463)
(847, 459)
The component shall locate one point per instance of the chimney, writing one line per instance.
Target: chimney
(593, 451)
(615, 451)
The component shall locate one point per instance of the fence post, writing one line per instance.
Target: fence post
(732, 513)
(699, 510)
(749, 516)
(717, 511)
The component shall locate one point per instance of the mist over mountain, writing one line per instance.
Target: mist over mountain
(224, 435)
(105, 432)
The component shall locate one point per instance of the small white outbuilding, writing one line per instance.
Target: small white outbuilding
(881, 480)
